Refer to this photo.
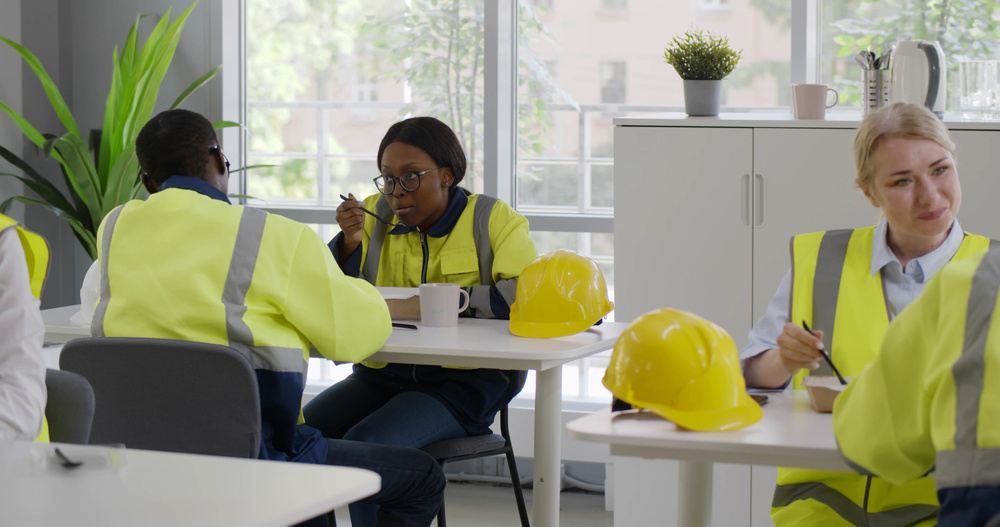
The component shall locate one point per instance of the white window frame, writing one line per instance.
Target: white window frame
(500, 141)
(500, 100)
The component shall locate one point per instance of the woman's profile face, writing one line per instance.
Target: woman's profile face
(916, 185)
(426, 204)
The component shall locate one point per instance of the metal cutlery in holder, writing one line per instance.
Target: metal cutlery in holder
(876, 89)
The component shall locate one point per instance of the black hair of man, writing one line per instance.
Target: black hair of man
(431, 136)
(175, 143)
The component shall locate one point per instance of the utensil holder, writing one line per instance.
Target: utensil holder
(875, 84)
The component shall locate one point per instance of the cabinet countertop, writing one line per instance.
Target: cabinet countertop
(777, 119)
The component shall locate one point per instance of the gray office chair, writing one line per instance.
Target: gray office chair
(485, 446)
(169, 395)
(69, 409)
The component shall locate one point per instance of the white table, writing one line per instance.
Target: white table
(119, 487)
(489, 344)
(58, 327)
(791, 434)
(473, 343)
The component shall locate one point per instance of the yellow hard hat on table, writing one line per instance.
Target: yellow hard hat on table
(683, 368)
(559, 294)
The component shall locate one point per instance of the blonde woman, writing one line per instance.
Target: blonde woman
(847, 285)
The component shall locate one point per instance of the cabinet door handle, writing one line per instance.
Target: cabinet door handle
(746, 194)
(758, 200)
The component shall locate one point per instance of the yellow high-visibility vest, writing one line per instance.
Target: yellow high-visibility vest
(833, 290)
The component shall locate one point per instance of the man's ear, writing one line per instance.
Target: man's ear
(148, 182)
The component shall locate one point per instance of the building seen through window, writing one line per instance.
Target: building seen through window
(325, 78)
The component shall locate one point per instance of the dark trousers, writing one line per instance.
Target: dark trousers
(412, 482)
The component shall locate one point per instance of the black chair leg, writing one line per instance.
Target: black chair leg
(441, 520)
(515, 479)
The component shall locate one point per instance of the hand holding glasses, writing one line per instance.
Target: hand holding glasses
(409, 181)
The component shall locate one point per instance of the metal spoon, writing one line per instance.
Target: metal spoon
(862, 61)
(372, 214)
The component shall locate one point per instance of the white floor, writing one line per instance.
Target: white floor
(481, 505)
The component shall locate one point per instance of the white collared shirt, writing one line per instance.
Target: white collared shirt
(902, 287)
(22, 366)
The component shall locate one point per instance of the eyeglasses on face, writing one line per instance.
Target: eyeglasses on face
(410, 181)
(214, 148)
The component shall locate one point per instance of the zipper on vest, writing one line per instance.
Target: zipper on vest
(414, 374)
(423, 247)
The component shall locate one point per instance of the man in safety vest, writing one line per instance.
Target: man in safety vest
(929, 400)
(186, 264)
(22, 367)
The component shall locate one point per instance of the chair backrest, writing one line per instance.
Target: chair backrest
(169, 395)
(70, 407)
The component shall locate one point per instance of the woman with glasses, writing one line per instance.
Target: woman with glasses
(425, 229)
(847, 285)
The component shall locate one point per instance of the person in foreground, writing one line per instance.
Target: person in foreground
(185, 264)
(443, 234)
(847, 285)
(24, 258)
(935, 385)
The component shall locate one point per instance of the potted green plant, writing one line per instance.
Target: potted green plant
(101, 173)
(702, 59)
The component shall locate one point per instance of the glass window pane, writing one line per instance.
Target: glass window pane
(966, 30)
(328, 78)
(579, 68)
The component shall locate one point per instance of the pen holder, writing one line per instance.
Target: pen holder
(875, 86)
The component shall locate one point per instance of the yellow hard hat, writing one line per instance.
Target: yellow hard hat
(683, 368)
(559, 294)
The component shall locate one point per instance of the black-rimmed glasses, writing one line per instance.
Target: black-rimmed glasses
(213, 148)
(410, 181)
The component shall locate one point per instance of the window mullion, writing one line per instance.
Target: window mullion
(500, 112)
(806, 41)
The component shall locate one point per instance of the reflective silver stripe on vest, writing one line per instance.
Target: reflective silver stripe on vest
(826, 286)
(968, 468)
(480, 236)
(234, 292)
(785, 495)
(374, 251)
(967, 465)
(97, 323)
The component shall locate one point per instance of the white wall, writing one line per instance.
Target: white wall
(10, 93)
(75, 40)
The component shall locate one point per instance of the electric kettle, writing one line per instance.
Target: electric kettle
(918, 74)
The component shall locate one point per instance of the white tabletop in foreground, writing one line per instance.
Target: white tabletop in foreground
(791, 434)
(119, 487)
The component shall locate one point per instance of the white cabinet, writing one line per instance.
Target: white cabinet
(704, 212)
(703, 215)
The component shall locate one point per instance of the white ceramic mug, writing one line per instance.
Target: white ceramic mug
(439, 304)
(809, 100)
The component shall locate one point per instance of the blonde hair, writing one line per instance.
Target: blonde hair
(912, 121)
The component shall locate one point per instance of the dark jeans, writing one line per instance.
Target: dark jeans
(361, 411)
(412, 482)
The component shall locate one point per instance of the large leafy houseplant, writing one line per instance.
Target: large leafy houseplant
(101, 173)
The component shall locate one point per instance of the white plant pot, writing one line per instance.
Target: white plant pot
(702, 97)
